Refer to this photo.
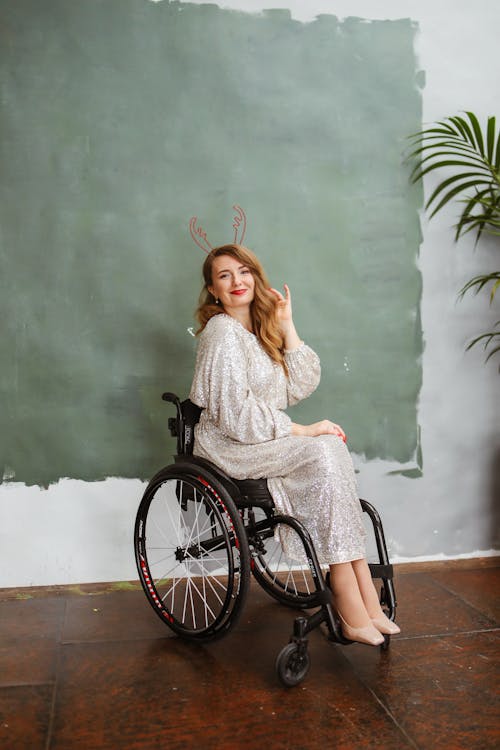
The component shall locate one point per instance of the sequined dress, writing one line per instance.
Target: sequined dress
(244, 430)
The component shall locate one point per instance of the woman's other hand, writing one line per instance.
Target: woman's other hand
(325, 427)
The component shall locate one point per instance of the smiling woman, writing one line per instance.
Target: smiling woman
(251, 365)
(233, 286)
(233, 268)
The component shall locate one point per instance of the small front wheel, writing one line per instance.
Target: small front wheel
(293, 664)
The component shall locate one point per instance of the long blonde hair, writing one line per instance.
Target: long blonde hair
(262, 308)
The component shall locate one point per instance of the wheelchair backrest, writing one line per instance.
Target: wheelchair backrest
(182, 425)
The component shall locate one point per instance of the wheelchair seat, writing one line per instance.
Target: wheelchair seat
(254, 492)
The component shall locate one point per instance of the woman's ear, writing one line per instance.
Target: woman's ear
(211, 290)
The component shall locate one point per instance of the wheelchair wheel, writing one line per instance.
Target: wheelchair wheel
(191, 552)
(288, 581)
(293, 664)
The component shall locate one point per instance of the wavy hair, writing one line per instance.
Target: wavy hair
(262, 308)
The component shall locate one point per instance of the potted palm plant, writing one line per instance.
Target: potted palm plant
(460, 144)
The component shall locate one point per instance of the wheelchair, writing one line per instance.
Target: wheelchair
(199, 537)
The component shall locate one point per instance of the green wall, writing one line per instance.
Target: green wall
(120, 119)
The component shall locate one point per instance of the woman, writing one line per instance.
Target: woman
(251, 364)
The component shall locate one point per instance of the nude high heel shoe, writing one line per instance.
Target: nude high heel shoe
(368, 634)
(384, 625)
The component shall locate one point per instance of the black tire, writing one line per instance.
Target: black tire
(191, 553)
(293, 664)
(285, 580)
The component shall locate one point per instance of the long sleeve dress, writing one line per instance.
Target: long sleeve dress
(244, 430)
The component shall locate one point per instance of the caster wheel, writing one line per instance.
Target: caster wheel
(292, 665)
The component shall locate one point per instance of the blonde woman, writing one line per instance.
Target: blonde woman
(251, 364)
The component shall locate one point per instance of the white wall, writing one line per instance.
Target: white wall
(77, 532)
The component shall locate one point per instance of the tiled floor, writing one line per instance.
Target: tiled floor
(100, 670)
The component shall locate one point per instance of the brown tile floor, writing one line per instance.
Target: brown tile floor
(94, 668)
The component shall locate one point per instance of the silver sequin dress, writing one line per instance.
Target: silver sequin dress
(244, 430)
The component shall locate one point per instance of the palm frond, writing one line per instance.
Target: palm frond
(459, 143)
(487, 339)
(478, 282)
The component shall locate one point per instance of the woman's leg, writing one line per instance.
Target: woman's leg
(370, 598)
(356, 623)
(366, 588)
(347, 595)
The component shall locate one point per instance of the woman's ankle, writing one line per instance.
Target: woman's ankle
(351, 609)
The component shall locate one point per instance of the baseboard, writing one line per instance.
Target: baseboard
(99, 589)
(433, 566)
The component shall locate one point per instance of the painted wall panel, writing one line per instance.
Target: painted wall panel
(121, 120)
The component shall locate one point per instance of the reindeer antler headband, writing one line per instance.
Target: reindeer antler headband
(200, 236)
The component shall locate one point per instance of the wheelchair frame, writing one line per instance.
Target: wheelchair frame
(197, 539)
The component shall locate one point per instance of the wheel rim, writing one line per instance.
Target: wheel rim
(188, 555)
(286, 579)
(283, 574)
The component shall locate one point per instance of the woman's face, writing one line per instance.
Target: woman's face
(232, 283)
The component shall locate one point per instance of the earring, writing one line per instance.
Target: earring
(216, 300)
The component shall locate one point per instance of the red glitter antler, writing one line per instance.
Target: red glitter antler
(199, 235)
(239, 225)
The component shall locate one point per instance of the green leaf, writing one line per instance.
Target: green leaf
(444, 129)
(490, 138)
(474, 201)
(443, 185)
(493, 351)
(473, 161)
(451, 194)
(494, 288)
(488, 336)
(417, 169)
(451, 163)
(478, 282)
(497, 157)
(464, 129)
(472, 220)
(449, 143)
(477, 131)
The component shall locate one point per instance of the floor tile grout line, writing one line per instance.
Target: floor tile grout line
(454, 634)
(381, 703)
(29, 683)
(445, 634)
(464, 600)
(352, 723)
(79, 642)
(391, 716)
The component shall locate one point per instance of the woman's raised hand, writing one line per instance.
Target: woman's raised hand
(291, 338)
(325, 427)
(283, 305)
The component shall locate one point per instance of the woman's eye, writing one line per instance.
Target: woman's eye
(245, 271)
